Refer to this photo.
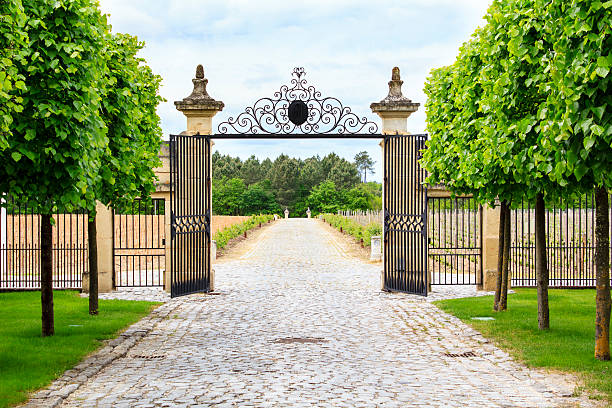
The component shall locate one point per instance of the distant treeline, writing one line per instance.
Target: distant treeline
(325, 185)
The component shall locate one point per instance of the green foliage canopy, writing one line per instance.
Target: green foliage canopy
(52, 155)
(577, 121)
(13, 49)
(134, 133)
(484, 112)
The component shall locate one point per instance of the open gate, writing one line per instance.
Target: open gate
(298, 111)
(405, 218)
(190, 184)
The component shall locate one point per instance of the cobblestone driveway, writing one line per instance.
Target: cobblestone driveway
(299, 324)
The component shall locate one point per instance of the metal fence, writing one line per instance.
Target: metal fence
(570, 245)
(140, 244)
(20, 249)
(455, 241)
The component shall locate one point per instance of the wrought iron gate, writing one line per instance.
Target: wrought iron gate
(405, 220)
(139, 244)
(191, 209)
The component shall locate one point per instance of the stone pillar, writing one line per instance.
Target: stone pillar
(286, 213)
(104, 238)
(394, 111)
(490, 247)
(199, 108)
(213, 250)
(375, 248)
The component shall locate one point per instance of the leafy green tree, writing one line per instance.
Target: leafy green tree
(13, 49)
(326, 198)
(364, 164)
(227, 196)
(357, 199)
(256, 199)
(485, 126)
(577, 123)
(129, 105)
(52, 155)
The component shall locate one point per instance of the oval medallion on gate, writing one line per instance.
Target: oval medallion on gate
(298, 112)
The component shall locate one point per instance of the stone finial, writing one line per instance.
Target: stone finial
(199, 98)
(200, 72)
(395, 101)
(395, 86)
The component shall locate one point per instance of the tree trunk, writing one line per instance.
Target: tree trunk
(92, 243)
(500, 256)
(602, 262)
(46, 275)
(503, 299)
(541, 263)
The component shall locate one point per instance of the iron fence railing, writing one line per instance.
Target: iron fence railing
(570, 235)
(20, 249)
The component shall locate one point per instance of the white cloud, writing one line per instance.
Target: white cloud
(249, 48)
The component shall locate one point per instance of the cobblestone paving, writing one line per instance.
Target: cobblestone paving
(298, 323)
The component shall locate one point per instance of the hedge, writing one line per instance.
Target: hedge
(225, 235)
(353, 228)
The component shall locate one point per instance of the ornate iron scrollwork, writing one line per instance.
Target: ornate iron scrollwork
(299, 109)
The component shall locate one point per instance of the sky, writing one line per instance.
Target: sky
(249, 49)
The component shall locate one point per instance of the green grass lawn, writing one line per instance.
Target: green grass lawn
(28, 361)
(567, 346)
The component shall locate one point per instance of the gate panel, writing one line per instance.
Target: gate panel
(455, 241)
(139, 244)
(190, 219)
(405, 222)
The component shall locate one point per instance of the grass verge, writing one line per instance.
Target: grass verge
(568, 345)
(29, 362)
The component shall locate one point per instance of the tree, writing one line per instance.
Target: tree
(266, 165)
(284, 178)
(311, 173)
(257, 199)
(485, 133)
(226, 166)
(52, 157)
(364, 164)
(325, 198)
(228, 196)
(357, 199)
(129, 107)
(13, 48)
(251, 171)
(327, 163)
(577, 125)
(344, 174)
